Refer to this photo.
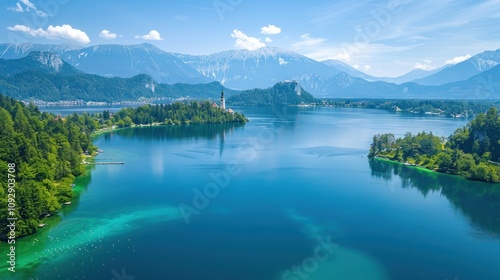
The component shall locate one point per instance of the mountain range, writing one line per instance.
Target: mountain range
(45, 76)
(463, 70)
(44, 62)
(244, 69)
(116, 61)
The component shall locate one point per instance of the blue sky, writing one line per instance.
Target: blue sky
(381, 38)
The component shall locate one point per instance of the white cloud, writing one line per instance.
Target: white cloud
(308, 41)
(268, 40)
(458, 59)
(106, 34)
(343, 55)
(355, 66)
(17, 8)
(28, 6)
(367, 68)
(180, 17)
(153, 35)
(244, 41)
(426, 65)
(54, 32)
(270, 30)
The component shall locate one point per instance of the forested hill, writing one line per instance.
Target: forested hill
(57, 87)
(44, 153)
(472, 151)
(283, 93)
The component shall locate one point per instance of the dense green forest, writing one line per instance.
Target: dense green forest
(472, 151)
(449, 108)
(45, 152)
(284, 93)
(170, 114)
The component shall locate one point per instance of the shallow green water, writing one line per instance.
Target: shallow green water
(291, 195)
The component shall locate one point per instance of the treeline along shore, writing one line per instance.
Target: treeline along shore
(472, 151)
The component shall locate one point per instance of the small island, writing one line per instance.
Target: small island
(472, 151)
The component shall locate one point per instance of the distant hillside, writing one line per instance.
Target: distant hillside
(130, 60)
(55, 87)
(14, 51)
(485, 85)
(261, 68)
(45, 76)
(283, 93)
(481, 86)
(37, 61)
(463, 70)
(343, 67)
(116, 61)
(411, 76)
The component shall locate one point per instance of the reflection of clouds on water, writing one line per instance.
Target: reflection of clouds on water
(157, 160)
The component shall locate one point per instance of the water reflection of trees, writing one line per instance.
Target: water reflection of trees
(81, 182)
(187, 132)
(480, 202)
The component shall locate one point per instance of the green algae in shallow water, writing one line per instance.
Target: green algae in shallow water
(70, 237)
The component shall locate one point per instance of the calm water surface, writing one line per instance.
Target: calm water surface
(290, 195)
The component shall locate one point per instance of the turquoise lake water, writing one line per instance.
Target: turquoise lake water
(290, 195)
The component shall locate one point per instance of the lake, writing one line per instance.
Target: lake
(290, 195)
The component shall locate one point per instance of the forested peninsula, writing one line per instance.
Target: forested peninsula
(472, 151)
(41, 153)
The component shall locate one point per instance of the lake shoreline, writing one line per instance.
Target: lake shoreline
(422, 168)
(115, 128)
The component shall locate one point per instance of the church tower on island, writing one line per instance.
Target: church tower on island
(222, 100)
